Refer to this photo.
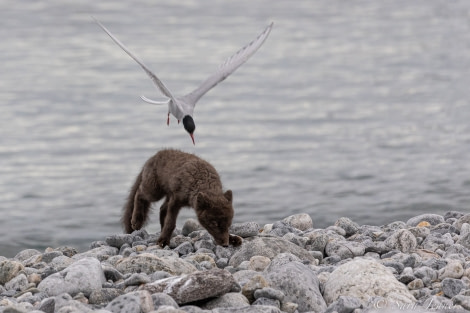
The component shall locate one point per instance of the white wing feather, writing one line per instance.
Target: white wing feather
(152, 76)
(228, 67)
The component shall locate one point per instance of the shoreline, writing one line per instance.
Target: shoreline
(420, 265)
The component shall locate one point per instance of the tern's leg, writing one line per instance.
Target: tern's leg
(168, 119)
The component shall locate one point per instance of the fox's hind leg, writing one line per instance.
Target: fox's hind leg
(171, 209)
(140, 212)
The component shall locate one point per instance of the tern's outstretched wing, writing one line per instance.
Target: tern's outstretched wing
(152, 76)
(227, 68)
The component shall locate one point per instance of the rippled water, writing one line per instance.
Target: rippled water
(357, 109)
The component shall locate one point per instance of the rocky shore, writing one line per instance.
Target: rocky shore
(422, 265)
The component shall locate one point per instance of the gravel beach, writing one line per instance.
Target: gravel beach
(420, 265)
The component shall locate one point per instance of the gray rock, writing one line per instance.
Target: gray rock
(402, 240)
(191, 225)
(348, 225)
(252, 284)
(344, 249)
(178, 240)
(452, 287)
(436, 241)
(248, 309)
(184, 248)
(301, 221)
(245, 230)
(432, 219)
(19, 283)
(100, 253)
(453, 269)
(426, 274)
(363, 279)
(269, 293)
(228, 300)
(463, 301)
(61, 262)
(25, 254)
(137, 279)
(268, 247)
(47, 305)
(9, 269)
(134, 302)
(104, 295)
(462, 220)
(464, 240)
(298, 283)
(149, 263)
(196, 286)
(204, 244)
(317, 241)
(443, 228)
(118, 240)
(85, 275)
(162, 299)
(268, 302)
(344, 304)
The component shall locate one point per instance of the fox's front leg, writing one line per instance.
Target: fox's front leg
(171, 211)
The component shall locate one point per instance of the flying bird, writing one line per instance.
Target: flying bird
(182, 107)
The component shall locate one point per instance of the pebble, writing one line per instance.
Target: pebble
(285, 266)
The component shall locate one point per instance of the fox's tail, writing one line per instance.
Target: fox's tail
(140, 212)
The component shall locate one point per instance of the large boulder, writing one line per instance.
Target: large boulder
(150, 263)
(84, 276)
(297, 281)
(364, 279)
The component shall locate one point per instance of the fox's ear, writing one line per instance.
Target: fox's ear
(228, 195)
(201, 200)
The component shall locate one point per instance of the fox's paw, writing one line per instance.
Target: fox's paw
(235, 240)
(162, 242)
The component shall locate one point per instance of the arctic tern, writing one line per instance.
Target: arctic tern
(182, 107)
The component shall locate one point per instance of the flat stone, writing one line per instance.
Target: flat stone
(196, 286)
(269, 293)
(149, 263)
(363, 279)
(162, 299)
(138, 301)
(432, 219)
(228, 300)
(344, 249)
(344, 304)
(269, 247)
(104, 295)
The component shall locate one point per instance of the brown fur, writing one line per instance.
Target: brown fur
(183, 179)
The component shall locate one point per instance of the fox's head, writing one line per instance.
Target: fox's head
(215, 214)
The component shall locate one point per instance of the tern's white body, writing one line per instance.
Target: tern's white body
(183, 106)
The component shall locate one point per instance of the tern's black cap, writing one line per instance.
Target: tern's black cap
(188, 124)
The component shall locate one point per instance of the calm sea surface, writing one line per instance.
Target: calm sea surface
(351, 108)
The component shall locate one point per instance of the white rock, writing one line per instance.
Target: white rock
(301, 221)
(363, 279)
(83, 276)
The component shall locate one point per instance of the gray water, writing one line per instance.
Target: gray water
(351, 108)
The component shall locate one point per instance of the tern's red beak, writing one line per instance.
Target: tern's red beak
(192, 137)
